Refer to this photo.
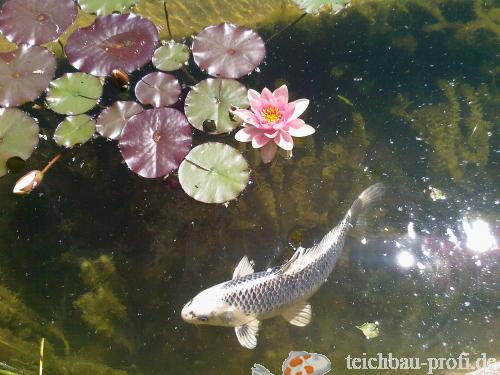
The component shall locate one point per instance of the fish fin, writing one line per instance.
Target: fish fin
(247, 334)
(358, 210)
(244, 267)
(295, 262)
(299, 315)
(260, 370)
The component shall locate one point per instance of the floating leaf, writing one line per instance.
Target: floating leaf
(74, 130)
(24, 74)
(154, 142)
(116, 41)
(18, 136)
(214, 173)
(171, 56)
(74, 93)
(370, 330)
(112, 120)
(207, 104)
(103, 7)
(315, 6)
(227, 50)
(36, 21)
(158, 89)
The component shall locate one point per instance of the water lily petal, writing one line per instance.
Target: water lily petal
(268, 152)
(271, 135)
(253, 95)
(284, 140)
(246, 116)
(281, 94)
(246, 134)
(259, 140)
(256, 106)
(298, 128)
(300, 106)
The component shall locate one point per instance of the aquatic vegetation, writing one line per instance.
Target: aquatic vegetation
(158, 89)
(74, 93)
(24, 74)
(227, 50)
(272, 121)
(213, 173)
(111, 120)
(102, 8)
(116, 41)
(370, 330)
(457, 138)
(36, 22)
(171, 56)
(74, 130)
(154, 142)
(208, 103)
(315, 6)
(18, 136)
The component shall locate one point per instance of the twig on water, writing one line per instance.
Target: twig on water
(279, 32)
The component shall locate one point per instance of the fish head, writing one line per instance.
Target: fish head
(209, 308)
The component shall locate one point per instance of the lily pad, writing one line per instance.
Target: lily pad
(74, 130)
(158, 89)
(111, 121)
(227, 50)
(36, 22)
(370, 330)
(74, 93)
(315, 6)
(214, 173)
(24, 74)
(18, 136)
(207, 104)
(104, 7)
(171, 56)
(116, 41)
(154, 142)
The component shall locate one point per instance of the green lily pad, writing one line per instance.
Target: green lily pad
(170, 56)
(213, 173)
(74, 130)
(103, 7)
(370, 330)
(315, 6)
(207, 104)
(18, 136)
(74, 93)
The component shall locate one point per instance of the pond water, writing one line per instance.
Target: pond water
(100, 261)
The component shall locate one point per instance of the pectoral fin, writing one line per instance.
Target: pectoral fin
(244, 267)
(299, 315)
(247, 334)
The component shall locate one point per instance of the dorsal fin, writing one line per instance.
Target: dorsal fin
(244, 267)
(296, 262)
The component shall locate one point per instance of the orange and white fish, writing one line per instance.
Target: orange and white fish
(299, 363)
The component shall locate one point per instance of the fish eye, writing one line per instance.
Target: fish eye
(203, 318)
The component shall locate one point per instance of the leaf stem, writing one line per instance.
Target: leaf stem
(42, 344)
(51, 163)
(166, 18)
(279, 32)
(197, 165)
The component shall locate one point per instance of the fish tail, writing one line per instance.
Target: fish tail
(363, 203)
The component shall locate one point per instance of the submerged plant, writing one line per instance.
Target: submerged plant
(315, 6)
(272, 121)
(36, 22)
(116, 41)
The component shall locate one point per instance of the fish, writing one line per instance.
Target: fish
(250, 297)
(299, 363)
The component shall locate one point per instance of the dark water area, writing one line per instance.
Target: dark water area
(100, 261)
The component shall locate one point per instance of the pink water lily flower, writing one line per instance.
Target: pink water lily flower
(272, 121)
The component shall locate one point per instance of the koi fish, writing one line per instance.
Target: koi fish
(251, 297)
(299, 363)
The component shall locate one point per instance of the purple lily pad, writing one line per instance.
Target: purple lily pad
(158, 89)
(24, 74)
(116, 41)
(111, 121)
(227, 50)
(36, 22)
(154, 142)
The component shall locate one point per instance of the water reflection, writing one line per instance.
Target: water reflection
(479, 237)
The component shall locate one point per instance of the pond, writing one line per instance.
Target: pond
(99, 261)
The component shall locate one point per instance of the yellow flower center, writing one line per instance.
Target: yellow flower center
(271, 114)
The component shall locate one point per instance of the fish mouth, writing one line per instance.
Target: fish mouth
(187, 314)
